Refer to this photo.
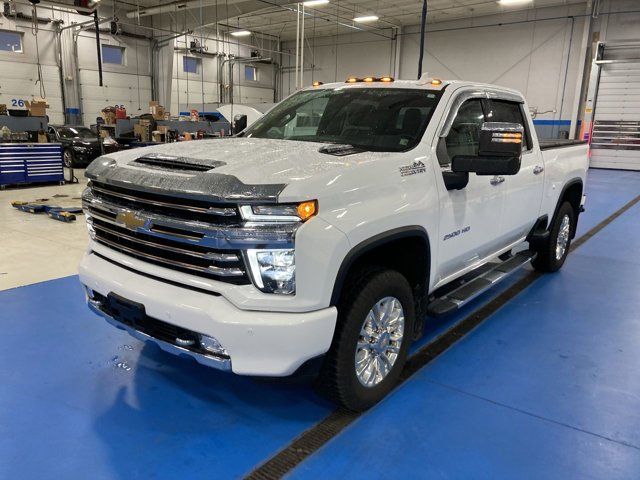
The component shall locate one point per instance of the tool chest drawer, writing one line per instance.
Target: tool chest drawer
(30, 163)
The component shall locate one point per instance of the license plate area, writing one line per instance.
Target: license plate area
(126, 311)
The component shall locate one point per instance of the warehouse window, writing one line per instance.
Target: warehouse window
(191, 64)
(112, 54)
(10, 41)
(250, 73)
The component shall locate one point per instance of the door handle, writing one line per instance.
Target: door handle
(496, 180)
(538, 169)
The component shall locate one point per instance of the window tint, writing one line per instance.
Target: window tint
(250, 73)
(510, 112)
(190, 64)
(10, 41)
(112, 54)
(464, 136)
(381, 119)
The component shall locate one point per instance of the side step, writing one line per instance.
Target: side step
(455, 299)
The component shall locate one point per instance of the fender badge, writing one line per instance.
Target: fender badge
(416, 167)
(130, 220)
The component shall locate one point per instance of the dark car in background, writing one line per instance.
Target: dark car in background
(80, 145)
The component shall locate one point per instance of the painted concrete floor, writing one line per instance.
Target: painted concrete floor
(545, 388)
(34, 247)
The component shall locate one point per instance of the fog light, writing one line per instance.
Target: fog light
(212, 345)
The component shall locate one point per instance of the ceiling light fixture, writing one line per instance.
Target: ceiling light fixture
(240, 33)
(315, 3)
(366, 18)
(513, 2)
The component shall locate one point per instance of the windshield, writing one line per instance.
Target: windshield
(76, 132)
(380, 119)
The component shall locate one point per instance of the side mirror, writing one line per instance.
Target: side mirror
(499, 151)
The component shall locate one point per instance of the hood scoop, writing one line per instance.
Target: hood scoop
(176, 164)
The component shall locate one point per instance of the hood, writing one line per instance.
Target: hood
(240, 167)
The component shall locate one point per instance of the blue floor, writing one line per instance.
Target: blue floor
(545, 388)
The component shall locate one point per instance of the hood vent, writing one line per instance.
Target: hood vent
(178, 164)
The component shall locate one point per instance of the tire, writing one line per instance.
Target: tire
(365, 290)
(551, 254)
(68, 158)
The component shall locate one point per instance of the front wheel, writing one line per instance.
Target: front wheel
(372, 338)
(553, 253)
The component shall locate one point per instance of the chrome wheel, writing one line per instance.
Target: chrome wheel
(380, 341)
(563, 237)
(67, 158)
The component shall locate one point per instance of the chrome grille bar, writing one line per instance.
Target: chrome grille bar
(213, 256)
(133, 197)
(223, 272)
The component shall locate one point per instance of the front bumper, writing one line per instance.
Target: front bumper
(258, 343)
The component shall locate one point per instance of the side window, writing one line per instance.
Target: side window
(510, 112)
(464, 135)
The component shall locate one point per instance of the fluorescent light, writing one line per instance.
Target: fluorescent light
(240, 33)
(315, 3)
(513, 2)
(366, 18)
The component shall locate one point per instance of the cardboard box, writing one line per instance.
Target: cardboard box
(42, 138)
(163, 129)
(3, 109)
(142, 131)
(109, 115)
(37, 108)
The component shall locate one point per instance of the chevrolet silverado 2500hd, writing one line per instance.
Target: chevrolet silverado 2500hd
(329, 229)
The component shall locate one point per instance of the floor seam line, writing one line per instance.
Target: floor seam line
(531, 414)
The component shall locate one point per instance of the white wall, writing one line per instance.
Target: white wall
(532, 51)
(19, 71)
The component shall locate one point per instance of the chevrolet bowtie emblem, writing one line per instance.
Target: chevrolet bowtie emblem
(130, 220)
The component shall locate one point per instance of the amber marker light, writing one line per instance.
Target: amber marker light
(352, 80)
(317, 83)
(436, 81)
(368, 79)
(306, 210)
(386, 79)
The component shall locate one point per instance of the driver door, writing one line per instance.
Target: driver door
(470, 218)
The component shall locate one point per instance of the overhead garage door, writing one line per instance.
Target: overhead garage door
(616, 128)
(118, 89)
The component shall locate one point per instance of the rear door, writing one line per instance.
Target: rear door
(523, 191)
(470, 218)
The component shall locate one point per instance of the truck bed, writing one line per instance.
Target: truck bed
(558, 143)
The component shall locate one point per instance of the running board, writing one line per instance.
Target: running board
(453, 300)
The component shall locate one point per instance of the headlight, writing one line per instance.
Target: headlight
(290, 212)
(273, 271)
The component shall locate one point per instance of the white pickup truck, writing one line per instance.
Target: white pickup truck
(327, 232)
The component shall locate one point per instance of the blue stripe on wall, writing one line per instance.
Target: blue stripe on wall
(552, 122)
(73, 111)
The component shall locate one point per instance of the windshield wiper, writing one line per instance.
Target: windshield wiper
(340, 150)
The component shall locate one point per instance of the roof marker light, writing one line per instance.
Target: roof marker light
(436, 82)
(386, 79)
(368, 79)
(352, 80)
(317, 83)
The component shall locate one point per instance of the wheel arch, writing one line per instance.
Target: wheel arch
(414, 262)
(571, 192)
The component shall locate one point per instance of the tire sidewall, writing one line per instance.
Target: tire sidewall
(72, 158)
(387, 284)
(565, 209)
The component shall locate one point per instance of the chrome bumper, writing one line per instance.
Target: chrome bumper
(209, 361)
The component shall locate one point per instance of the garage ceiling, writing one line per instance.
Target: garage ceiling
(278, 17)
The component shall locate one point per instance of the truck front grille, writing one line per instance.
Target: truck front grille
(178, 207)
(167, 235)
